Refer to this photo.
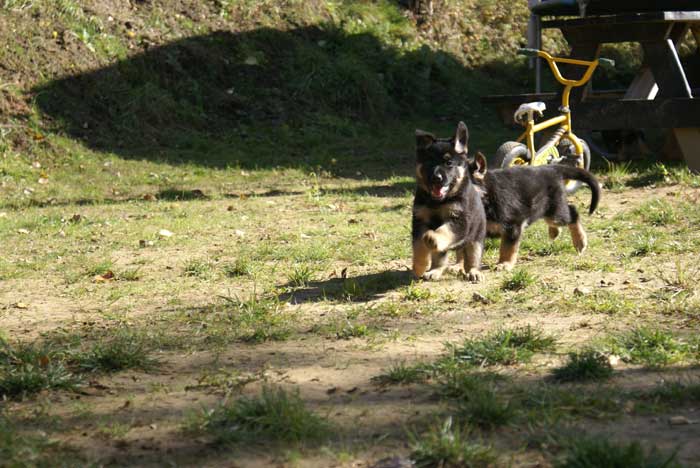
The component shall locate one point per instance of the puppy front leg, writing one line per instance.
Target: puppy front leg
(440, 239)
(472, 261)
(438, 263)
(457, 268)
(421, 257)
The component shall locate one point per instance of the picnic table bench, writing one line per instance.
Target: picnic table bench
(660, 96)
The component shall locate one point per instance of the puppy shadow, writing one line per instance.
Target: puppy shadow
(361, 288)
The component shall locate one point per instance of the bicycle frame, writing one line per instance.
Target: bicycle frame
(564, 120)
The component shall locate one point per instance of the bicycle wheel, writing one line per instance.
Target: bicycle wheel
(511, 153)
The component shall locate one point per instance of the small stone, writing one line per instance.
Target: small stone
(476, 297)
(679, 421)
(165, 233)
(613, 360)
(581, 291)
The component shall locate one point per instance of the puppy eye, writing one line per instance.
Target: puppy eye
(449, 163)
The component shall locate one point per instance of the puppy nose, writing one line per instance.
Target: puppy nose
(439, 177)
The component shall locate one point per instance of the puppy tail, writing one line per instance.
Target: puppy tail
(576, 173)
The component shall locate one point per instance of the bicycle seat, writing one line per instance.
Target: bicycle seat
(528, 110)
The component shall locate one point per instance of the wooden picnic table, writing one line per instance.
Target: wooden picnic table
(660, 95)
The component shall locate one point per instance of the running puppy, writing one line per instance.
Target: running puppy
(516, 197)
(447, 210)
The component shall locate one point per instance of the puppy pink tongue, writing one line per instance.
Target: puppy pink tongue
(439, 192)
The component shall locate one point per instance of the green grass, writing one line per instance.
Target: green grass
(19, 448)
(26, 369)
(300, 275)
(122, 349)
(584, 366)
(403, 374)
(275, 416)
(256, 319)
(504, 346)
(601, 452)
(649, 346)
(197, 268)
(616, 175)
(448, 446)
(239, 267)
(518, 280)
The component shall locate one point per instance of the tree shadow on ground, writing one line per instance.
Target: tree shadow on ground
(264, 98)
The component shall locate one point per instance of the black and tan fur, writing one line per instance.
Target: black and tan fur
(516, 197)
(447, 210)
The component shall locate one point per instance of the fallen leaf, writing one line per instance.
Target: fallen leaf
(23, 231)
(21, 305)
(679, 421)
(165, 233)
(149, 197)
(44, 361)
(76, 218)
(36, 164)
(476, 297)
(43, 180)
(104, 277)
(581, 291)
(239, 233)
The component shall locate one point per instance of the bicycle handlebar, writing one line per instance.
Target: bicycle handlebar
(536, 53)
(528, 52)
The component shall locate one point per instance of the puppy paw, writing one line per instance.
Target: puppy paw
(432, 275)
(580, 243)
(505, 266)
(434, 241)
(474, 276)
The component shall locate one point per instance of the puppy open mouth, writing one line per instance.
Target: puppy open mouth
(438, 192)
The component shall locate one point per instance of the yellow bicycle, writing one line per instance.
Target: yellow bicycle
(562, 147)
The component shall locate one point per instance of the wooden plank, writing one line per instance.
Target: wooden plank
(660, 16)
(612, 33)
(607, 7)
(631, 114)
(662, 58)
(688, 140)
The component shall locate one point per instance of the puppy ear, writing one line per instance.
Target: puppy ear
(424, 139)
(461, 138)
(480, 163)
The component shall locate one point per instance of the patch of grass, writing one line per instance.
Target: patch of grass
(26, 369)
(21, 449)
(518, 280)
(255, 319)
(599, 452)
(196, 268)
(300, 275)
(657, 212)
(414, 292)
(650, 347)
(129, 275)
(403, 374)
(603, 301)
(99, 268)
(125, 349)
(644, 244)
(276, 415)
(448, 446)
(583, 366)
(616, 175)
(505, 346)
(240, 267)
(479, 403)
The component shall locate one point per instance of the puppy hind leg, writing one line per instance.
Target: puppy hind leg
(510, 243)
(578, 235)
(553, 228)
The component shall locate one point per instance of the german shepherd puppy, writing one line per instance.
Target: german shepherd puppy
(447, 210)
(515, 197)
